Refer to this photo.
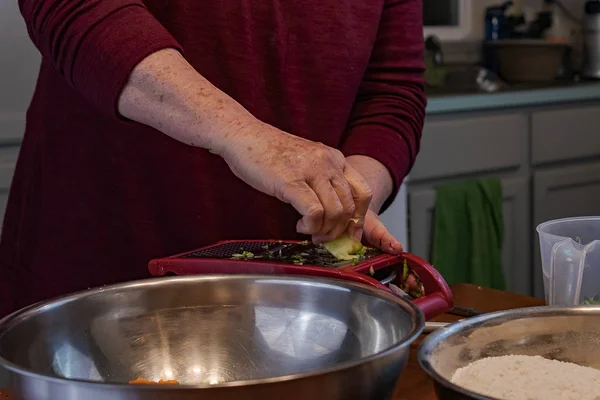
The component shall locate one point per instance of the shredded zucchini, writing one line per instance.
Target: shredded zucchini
(345, 248)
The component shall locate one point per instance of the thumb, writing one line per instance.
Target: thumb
(377, 235)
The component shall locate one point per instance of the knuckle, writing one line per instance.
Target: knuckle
(292, 183)
(329, 154)
(336, 154)
(379, 232)
(321, 151)
(338, 158)
(351, 209)
(315, 211)
(366, 194)
(336, 212)
(286, 190)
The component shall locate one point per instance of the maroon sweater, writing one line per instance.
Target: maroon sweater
(95, 197)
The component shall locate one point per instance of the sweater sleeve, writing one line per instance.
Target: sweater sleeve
(389, 110)
(95, 44)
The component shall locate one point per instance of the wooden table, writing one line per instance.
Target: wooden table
(415, 384)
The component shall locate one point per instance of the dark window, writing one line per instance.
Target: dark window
(440, 12)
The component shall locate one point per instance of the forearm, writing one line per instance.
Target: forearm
(164, 91)
(377, 177)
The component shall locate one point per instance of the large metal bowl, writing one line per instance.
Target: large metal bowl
(559, 333)
(221, 337)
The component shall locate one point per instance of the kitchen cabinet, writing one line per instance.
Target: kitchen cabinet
(559, 134)
(547, 158)
(566, 191)
(476, 143)
(421, 206)
(516, 253)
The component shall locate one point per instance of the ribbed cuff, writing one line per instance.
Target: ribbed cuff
(385, 145)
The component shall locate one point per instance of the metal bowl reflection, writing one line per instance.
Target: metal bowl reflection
(220, 336)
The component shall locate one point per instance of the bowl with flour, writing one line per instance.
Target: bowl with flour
(547, 353)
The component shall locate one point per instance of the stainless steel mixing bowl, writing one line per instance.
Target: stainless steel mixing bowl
(222, 337)
(559, 333)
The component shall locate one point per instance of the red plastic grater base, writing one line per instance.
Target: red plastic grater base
(233, 257)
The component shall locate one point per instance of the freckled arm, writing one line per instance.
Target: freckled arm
(164, 91)
(124, 62)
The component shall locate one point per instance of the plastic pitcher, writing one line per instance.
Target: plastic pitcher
(570, 250)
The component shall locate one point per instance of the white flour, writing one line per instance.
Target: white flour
(529, 378)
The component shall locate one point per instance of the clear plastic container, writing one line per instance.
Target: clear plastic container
(570, 250)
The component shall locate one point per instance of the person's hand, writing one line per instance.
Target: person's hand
(377, 235)
(164, 91)
(315, 179)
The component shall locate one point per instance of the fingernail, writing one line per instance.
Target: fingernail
(395, 247)
(301, 228)
(319, 239)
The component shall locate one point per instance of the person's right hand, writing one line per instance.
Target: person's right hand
(164, 91)
(315, 179)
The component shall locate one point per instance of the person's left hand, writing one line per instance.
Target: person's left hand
(377, 235)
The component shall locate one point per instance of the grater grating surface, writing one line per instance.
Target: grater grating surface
(227, 250)
(302, 253)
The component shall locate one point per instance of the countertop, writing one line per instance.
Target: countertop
(416, 384)
(443, 101)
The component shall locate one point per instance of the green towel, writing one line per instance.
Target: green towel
(468, 233)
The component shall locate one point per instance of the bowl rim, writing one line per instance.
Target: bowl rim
(433, 339)
(539, 229)
(416, 330)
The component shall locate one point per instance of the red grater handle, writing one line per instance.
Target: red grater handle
(438, 297)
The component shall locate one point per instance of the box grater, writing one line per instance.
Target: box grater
(384, 271)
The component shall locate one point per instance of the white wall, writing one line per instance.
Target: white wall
(19, 66)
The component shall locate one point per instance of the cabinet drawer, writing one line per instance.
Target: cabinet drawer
(471, 144)
(566, 191)
(565, 134)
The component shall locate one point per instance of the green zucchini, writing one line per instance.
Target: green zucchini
(345, 248)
